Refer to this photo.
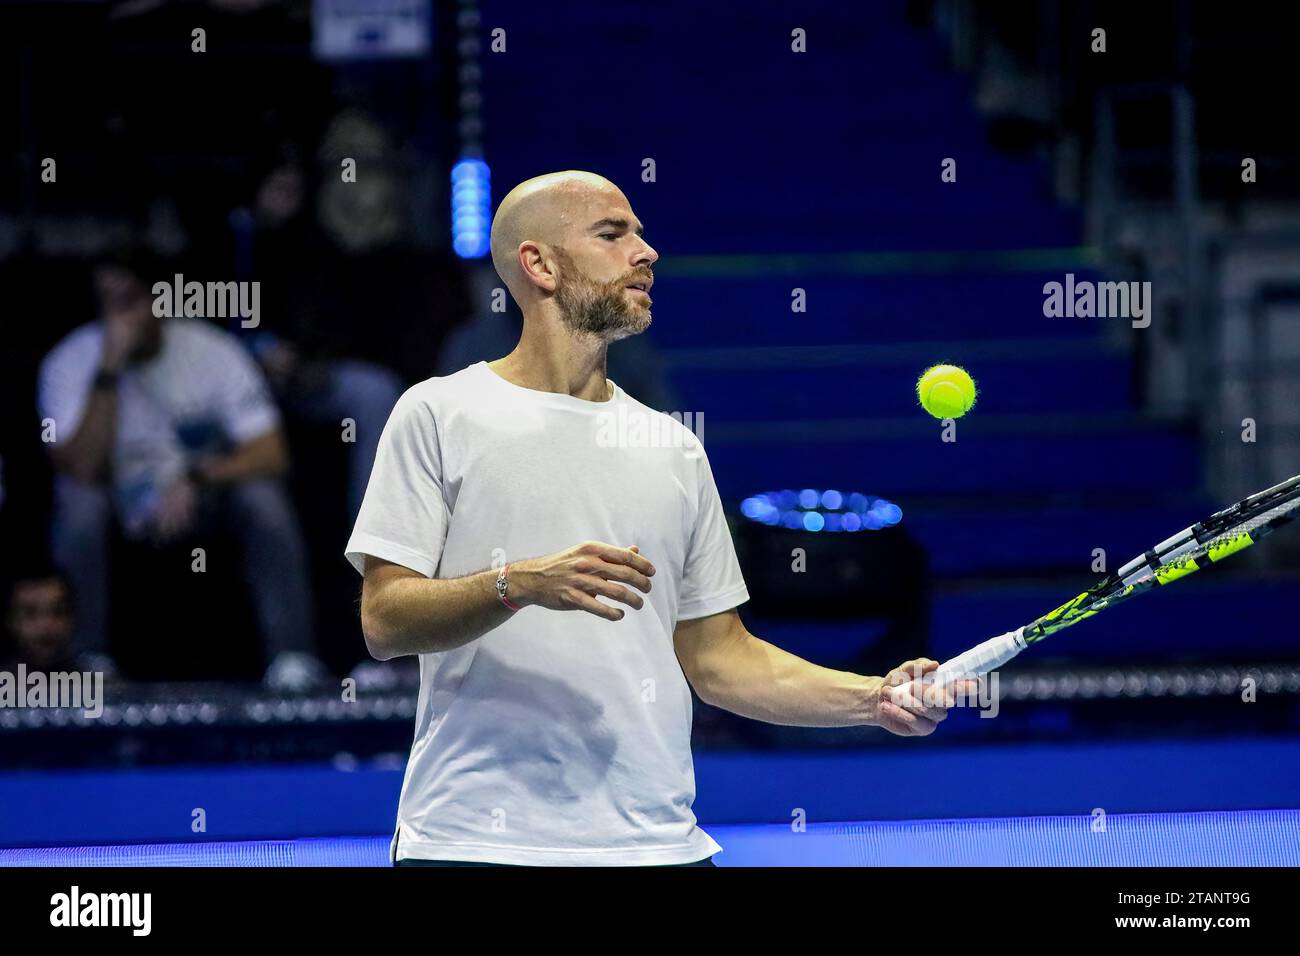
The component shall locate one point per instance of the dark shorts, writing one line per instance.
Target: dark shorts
(707, 861)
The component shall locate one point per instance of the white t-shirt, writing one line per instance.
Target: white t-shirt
(557, 738)
(200, 391)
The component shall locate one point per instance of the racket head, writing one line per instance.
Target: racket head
(1219, 536)
(1230, 531)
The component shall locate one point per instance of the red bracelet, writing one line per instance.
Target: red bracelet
(503, 582)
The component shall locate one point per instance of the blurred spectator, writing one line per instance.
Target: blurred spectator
(165, 425)
(39, 621)
(364, 290)
(324, 391)
(355, 313)
(312, 371)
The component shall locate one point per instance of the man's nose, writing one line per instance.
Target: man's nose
(646, 256)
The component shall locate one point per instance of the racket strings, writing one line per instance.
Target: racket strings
(1226, 533)
(1264, 520)
(1113, 590)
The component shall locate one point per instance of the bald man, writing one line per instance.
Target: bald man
(562, 578)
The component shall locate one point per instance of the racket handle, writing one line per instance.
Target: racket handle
(979, 660)
(983, 658)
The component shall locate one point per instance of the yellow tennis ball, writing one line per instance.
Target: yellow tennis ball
(946, 391)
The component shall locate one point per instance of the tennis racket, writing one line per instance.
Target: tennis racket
(1207, 542)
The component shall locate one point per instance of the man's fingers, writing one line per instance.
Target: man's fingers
(906, 695)
(911, 670)
(626, 556)
(626, 574)
(937, 696)
(903, 722)
(964, 690)
(914, 708)
(585, 602)
(967, 688)
(615, 592)
(928, 702)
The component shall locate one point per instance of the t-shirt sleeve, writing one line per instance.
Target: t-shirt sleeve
(64, 384)
(404, 515)
(712, 581)
(244, 404)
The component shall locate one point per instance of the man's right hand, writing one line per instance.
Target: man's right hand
(124, 332)
(570, 580)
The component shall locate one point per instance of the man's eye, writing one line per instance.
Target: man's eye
(609, 235)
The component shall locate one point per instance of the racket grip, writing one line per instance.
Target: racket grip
(979, 660)
(982, 658)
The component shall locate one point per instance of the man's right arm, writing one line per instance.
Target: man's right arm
(85, 456)
(403, 612)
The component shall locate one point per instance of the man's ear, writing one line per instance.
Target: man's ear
(538, 266)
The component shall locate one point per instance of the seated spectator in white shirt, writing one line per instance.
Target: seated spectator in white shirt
(167, 425)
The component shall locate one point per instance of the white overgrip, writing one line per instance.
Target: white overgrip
(977, 661)
(982, 658)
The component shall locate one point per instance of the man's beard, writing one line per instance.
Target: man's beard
(597, 308)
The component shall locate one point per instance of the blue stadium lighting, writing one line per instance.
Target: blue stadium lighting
(813, 510)
(471, 208)
(760, 509)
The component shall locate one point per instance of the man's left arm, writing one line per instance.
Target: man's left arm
(732, 669)
(266, 456)
(249, 417)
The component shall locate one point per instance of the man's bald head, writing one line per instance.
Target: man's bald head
(544, 210)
